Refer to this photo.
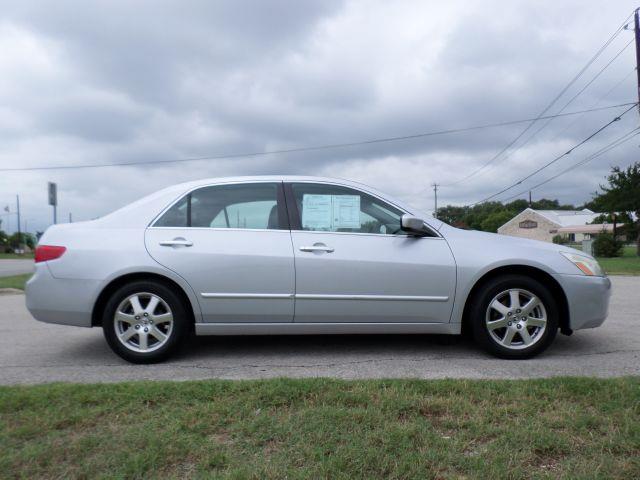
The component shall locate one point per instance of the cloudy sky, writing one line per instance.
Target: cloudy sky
(87, 83)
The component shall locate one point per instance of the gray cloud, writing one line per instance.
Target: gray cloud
(105, 82)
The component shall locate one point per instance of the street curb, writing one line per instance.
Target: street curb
(11, 291)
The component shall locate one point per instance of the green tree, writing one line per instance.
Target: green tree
(622, 194)
(24, 239)
(495, 220)
(4, 242)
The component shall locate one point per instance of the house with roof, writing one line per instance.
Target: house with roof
(543, 225)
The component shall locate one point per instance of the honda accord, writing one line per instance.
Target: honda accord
(304, 255)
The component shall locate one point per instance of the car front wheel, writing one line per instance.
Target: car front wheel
(514, 316)
(144, 322)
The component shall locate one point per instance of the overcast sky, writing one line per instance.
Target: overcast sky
(116, 82)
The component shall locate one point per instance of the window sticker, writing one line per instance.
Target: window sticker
(316, 212)
(346, 211)
(330, 212)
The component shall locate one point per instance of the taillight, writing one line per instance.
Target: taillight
(45, 253)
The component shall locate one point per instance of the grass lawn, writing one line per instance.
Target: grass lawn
(321, 428)
(627, 264)
(26, 256)
(17, 281)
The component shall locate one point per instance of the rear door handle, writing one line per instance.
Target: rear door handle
(318, 247)
(176, 242)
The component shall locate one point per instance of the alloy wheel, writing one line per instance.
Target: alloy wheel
(516, 319)
(143, 322)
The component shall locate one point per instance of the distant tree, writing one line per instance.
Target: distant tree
(622, 194)
(4, 242)
(495, 220)
(24, 239)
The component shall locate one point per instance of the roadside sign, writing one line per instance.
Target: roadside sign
(53, 194)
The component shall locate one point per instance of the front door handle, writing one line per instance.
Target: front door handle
(176, 242)
(317, 247)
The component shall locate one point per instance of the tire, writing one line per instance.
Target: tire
(506, 325)
(146, 330)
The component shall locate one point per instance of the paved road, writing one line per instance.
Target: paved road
(10, 267)
(33, 352)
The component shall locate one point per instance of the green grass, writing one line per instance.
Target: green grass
(320, 428)
(16, 281)
(627, 264)
(26, 256)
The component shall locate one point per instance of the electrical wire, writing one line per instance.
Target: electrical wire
(304, 149)
(538, 170)
(616, 143)
(548, 107)
(571, 100)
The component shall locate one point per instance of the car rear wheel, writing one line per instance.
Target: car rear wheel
(514, 317)
(144, 322)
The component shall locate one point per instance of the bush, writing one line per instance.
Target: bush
(605, 245)
(560, 240)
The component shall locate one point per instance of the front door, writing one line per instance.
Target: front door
(232, 245)
(354, 264)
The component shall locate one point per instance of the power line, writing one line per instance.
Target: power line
(310, 148)
(571, 100)
(616, 143)
(548, 107)
(556, 158)
(612, 89)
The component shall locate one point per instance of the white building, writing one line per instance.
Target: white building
(546, 224)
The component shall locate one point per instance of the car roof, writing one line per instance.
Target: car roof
(272, 178)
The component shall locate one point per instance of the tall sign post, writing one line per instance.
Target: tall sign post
(53, 200)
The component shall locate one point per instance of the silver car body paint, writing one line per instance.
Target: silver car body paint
(241, 281)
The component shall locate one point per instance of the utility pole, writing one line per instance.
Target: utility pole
(19, 233)
(529, 198)
(636, 24)
(70, 218)
(435, 199)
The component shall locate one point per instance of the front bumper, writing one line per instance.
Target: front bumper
(60, 300)
(588, 299)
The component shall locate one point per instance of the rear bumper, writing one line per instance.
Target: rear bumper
(59, 300)
(588, 299)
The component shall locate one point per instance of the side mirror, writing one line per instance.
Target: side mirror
(412, 225)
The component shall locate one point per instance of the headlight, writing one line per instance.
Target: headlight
(587, 265)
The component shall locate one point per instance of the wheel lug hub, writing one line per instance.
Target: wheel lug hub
(509, 313)
(137, 317)
(146, 314)
(510, 323)
(137, 327)
(519, 327)
(518, 310)
(146, 329)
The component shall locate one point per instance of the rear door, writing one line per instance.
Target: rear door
(355, 265)
(232, 244)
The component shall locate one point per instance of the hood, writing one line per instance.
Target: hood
(506, 241)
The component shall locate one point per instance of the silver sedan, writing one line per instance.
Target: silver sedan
(304, 255)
